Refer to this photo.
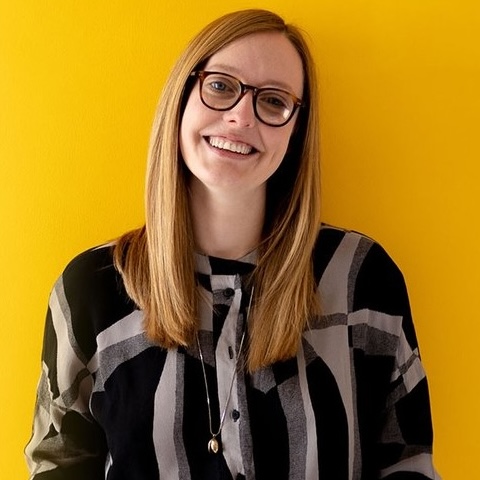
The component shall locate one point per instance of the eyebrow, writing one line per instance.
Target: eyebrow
(220, 67)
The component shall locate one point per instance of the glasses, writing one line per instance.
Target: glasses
(272, 106)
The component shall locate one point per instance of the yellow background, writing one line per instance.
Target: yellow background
(79, 81)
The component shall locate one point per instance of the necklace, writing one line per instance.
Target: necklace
(213, 445)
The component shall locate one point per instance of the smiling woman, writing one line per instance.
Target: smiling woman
(230, 150)
(233, 336)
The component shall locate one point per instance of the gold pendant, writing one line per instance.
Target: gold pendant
(213, 445)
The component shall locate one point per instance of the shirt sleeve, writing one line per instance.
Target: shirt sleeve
(405, 440)
(66, 443)
(406, 436)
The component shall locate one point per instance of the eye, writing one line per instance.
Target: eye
(219, 85)
(275, 100)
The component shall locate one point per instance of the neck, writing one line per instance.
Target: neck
(227, 225)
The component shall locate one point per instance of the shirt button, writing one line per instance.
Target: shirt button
(235, 415)
(228, 292)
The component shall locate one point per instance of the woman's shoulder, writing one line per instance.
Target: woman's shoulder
(85, 267)
(90, 295)
(348, 247)
(339, 244)
(90, 281)
(359, 263)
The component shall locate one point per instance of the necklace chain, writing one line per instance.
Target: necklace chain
(213, 445)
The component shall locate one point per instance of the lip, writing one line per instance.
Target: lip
(230, 145)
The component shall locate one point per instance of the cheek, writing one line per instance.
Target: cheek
(282, 140)
(187, 127)
(183, 133)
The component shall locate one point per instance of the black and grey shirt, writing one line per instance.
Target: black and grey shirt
(352, 405)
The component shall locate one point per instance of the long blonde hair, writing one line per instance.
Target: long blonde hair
(157, 260)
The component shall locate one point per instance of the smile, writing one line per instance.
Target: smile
(235, 147)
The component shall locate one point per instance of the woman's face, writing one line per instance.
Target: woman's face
(231, 150)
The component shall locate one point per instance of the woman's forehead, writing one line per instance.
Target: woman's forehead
(261, 59)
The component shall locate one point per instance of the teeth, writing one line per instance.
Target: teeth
(230, 146)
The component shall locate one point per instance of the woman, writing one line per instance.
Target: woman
(233, 336)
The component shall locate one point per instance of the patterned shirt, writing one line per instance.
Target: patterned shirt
(352, 405)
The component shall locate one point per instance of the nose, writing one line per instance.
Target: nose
(243, 113)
